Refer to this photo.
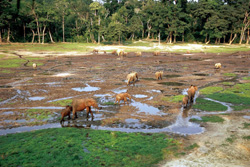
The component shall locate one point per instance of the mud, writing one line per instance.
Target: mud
(102, 76)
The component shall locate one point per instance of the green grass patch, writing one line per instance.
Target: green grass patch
(240, 107)
(246, 125)
(85, 147)
(213, 118)
(7, 71)
(210, 90)
(191, 147)
(17, 62)
(231, 139)
(207, 105)
(246, 137)
(37, 114)
(176, 99)
(63, 102)
(149, 79)
(246, 78)
(228, 83)
(229, 74)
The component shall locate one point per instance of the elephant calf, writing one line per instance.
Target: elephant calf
(66, 112)
(81, 104)
(122, 96)
(191, 92)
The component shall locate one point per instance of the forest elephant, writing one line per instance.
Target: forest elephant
(191, 92)
(120, 52)
(81, 104)
(95, 51)
(138, 53)
(158, 75)
(122, 96)
(66, 112)
(217, 65)
(185, 101)
(156, 53)
(132, 77)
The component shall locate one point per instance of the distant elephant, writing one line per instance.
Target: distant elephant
(158, 75)
(120, 52)
(132, 77)
(185, 101)
(191, 92)
(122, 96)
(66, 112)
(81, 104)
(217, 65)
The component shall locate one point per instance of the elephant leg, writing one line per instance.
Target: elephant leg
(87, 110)
(125, 100)
(69, 116)
(74, 113)
(92, 115)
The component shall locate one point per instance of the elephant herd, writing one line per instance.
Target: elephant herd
(81, 104)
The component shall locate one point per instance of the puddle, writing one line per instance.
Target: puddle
(8, 113)
(171, 76)
(28, 128)
(63, 75)
(5, 86)
(147, 109)
(42, 108)
(36, 98)
(17, 121)
(88, 88)
(140, 96)
(246, 117)
(154, 90)
(171, 83)
(202, 75)
(117, 91)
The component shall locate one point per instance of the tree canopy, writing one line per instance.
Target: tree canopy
(214, 21)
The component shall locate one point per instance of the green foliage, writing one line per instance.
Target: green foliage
(229, 74)
(176, 99)
(231, 139)
(246, 78)
(37, 114)
(81, 147)
(213, 118)
(210, 90)
(62, 102)
(246, 125)
(191, 147)
(246, 137)
(207, 105)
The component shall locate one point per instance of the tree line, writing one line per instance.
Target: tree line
(170, 21)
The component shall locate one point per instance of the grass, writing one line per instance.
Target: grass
(176, 99)
(228, 83)
(246, 78)
(207, 105)
(231, 139)
(85, 147)
(17, 62)
(191, 147)
(213, 118)
(229, 74)
(246, 137)
(210, 90)
(62, 102)
(240, 107)
(246, 125)
(37, 114)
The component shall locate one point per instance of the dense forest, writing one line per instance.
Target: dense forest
(171, 21)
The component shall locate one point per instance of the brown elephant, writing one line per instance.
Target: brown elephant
(81, 104)
(66, 112)
(132, 77)
(185, 101)
(158, 75)
(156, 53)
(122, 96)
(191, 92)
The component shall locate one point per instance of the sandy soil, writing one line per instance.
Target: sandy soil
(62, 75)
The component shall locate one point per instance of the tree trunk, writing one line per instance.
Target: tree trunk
(8, 36)
(170, 37)
(159, 37)
(183, 37)
(246, 24)
(43, 34)
(63, 27)
(99, 23)
(33, 37)
(149, 28)
(103, 38)
(230, 42)
(51, 39)
(247, 36)
(37, 22)
(24, 35)
(0, 35)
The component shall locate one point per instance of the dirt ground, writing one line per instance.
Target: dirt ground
(102, 76)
